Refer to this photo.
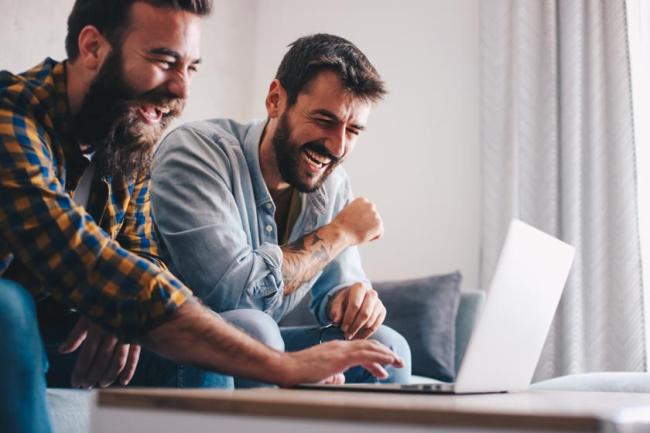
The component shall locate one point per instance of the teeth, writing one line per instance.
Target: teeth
(313, 160)
(164, 110)
(317, 158)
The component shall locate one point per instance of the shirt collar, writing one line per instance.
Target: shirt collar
(63, 117)
(252, 141)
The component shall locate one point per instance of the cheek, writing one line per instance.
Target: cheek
(307, 134)
(348, 149)
(144, 77)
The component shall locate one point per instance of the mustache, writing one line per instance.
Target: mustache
(319, 147)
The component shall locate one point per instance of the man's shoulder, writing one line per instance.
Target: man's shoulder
(28, 92)
(214, 137)
(217, 143)
(221, 132)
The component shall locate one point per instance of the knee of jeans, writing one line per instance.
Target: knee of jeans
(258, 325)
(396, 342)
(17, 311)
(19, 326)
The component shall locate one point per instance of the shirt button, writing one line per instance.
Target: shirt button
(269, 228)
(269, 206)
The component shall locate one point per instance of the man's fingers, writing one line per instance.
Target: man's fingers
(84, 362)
(356, 295)
(118, 362)
(370, 351)
(336, 307)
(376, 370)
(101, 361)
(131, 365)
(373, 323)
(75, 337)
(380, 232)
(336, 379)
(366, 313)
(328, 359)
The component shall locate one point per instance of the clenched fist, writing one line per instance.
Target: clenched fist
(359, 221)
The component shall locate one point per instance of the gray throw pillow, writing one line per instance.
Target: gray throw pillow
(424, 311)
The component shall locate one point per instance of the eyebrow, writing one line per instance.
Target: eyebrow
(334, 118)
(163, 51)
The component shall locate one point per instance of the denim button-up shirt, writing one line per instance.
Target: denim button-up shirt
(215, 219)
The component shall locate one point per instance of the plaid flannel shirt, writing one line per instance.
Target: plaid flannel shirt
(101, 260)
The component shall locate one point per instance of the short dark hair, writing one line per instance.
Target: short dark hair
(313, 54)
(110, 17)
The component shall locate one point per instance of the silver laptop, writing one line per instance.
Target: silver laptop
(510, 332)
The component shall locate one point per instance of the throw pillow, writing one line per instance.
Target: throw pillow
(424, 311)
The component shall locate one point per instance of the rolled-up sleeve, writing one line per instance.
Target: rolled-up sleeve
(68, 253)
(194, 197)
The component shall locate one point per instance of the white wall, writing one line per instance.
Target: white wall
(419, 159)
(31, 30)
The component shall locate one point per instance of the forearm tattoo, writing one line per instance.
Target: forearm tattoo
(304, 258)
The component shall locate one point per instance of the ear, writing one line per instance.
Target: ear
(93, 48)
(276, 100)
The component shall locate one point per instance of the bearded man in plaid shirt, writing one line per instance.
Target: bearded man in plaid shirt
(78, 256)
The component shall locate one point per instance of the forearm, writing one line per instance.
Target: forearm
(198, 336)
(309, 255)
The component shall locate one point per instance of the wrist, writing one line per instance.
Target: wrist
(281, 368)
(339, 235)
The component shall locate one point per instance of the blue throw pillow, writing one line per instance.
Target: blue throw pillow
(424, 311)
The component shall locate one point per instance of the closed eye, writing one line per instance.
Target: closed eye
(327, 123)
(163, 63)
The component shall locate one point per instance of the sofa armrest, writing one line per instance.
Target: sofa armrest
(469, 308)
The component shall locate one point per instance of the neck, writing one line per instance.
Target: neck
(268, 162)
(77, 84)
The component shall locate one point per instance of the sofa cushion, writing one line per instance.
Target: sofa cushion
(424, 311)
(69, 410)
(597, 382)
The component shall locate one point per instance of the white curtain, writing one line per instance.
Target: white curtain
(638, 20)
(558, 153)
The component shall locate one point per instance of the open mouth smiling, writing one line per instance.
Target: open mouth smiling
(153, 113)
(316, 159)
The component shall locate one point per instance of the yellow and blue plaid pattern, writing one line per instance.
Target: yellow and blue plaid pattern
(101, 260)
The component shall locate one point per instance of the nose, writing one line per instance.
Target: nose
(179, 86)
(336, 142)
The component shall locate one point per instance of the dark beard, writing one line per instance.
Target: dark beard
(288, 155)
(109, 122)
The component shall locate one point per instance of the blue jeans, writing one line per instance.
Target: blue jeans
(23, 405)
(263, 328)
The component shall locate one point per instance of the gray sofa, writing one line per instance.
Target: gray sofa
(70, 409)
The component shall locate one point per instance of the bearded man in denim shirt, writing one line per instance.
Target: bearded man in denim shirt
(253, 216)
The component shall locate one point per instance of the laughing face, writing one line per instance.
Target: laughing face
(142, 85)
(318, 132)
